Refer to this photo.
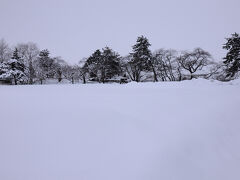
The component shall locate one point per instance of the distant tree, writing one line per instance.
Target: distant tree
(103, 65)
(130, 68)
(70, 73)
(46, 63)
(232, 59)
(110, 65)
(40, 74)
(16, 54)
(193, 61)
(14, 69)
(82, 70)
(5, 51)
(93, 64)
(216, 70)
(58, 67)
(152, 64)
(165, 65)
(29, 52)
(139, 59)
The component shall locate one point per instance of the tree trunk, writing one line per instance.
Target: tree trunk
(15, 80)
(84, 79)
(155, 75)
(59, 79)
(30, 81)
(191, 76)
(31, 73)
(180, 78)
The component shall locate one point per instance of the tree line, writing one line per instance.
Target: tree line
(26, 64)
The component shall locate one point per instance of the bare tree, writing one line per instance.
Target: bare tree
(216, 71)
(82, 69)
(132, 69)
(152, 64)
(70, 73)
(5, 51)
(165, 66)
(40, 73)
(58, 67)
(29, 52)
(193, 61)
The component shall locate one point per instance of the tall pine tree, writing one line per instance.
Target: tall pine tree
(46, 63)
(232, 59)
(14, 69)
(141, 57)
(110, 62)
(93, 64)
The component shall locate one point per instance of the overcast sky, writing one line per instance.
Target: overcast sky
(73, 29)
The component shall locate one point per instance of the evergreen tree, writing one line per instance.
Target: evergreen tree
(46, 63)
(110, 61)
(103, 65)
(93, 64)
(232, 59)
(14, 69)
(141, 57)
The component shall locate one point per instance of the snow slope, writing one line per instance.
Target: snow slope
(148, 131)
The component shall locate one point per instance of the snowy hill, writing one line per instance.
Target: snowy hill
(138, 131)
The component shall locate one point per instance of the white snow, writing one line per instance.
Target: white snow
(148, 131)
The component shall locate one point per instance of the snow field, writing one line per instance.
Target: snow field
(147, 131)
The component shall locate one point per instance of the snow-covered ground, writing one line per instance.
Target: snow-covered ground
(148, 131)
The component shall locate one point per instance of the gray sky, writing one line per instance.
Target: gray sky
(73, 29)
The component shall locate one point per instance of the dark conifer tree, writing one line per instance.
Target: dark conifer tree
(141, 57)
(103, 65)
(93, 63)
(232, 59)
(46, 63)
(110, 62)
